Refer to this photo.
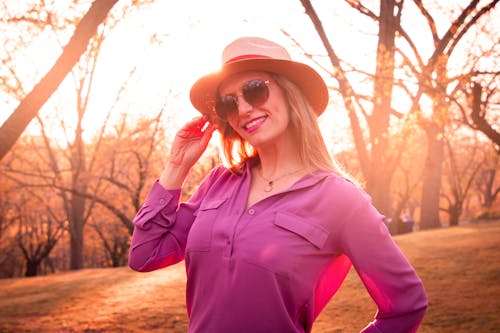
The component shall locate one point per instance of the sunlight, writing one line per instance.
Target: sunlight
(77, 200)
(186, 45)
(164, 48)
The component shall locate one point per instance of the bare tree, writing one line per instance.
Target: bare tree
(72, 170)
(126, 163)
(29, 106)
(380, 153)
(39, 230)
(478, 117)
(115, 242)
(375, 153)
(461, 167)
(486, 182)
(9, 259)
(433, 81)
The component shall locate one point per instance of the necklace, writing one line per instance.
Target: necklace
(269, 186)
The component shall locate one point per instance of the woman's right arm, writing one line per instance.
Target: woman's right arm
(161, 225)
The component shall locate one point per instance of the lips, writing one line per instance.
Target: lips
(254, 124)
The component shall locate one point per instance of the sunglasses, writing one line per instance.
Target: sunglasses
(255, 92)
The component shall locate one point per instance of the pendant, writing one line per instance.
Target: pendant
(269, 186)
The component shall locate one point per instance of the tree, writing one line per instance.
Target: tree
(31, 104)
(407, 181)
(72, 171)
(125, 162)
(478, 114)
(379, 156)
(398, 53)
(9, 258)
(434, 82)
(115, 242)
(486, 182)
(461, 167)
(39, 230)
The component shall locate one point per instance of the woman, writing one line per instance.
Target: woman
(269, 239)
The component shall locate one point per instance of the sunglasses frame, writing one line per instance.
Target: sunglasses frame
(230, 102)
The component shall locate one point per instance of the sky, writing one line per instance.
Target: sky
(190, 37)
(193, 34)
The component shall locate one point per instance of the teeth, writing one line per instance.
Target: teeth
(253, 123)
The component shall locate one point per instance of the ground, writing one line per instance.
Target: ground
(460, 268)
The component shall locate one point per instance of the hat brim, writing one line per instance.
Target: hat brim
(203, 92)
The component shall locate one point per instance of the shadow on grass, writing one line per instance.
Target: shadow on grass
(93, 300)
(460, 268)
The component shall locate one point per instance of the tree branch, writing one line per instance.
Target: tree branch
(14, 126)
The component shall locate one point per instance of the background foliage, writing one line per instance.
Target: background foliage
(413, 115)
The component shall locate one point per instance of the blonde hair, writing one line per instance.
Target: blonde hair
(303, 123)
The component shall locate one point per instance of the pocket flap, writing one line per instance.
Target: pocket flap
(315, 234)
(212, 204)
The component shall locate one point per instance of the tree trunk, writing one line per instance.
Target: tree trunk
(76, 240)
(14, 126)
(429, 215)
(455, 212)
(378, 186)
(32, 268)
(77, 221)
(377, 162)
(489, 192)
(380, 172)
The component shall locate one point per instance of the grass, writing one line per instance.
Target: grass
(460, 268)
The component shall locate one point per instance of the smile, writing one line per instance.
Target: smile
(254, 124)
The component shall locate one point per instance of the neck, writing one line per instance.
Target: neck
(276, 163)
(276, 173)
(279, 156)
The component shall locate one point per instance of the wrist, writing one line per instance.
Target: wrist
(173, 176)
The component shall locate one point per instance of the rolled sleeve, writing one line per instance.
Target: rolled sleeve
(154, 243)
(162, 225)
(159, 201)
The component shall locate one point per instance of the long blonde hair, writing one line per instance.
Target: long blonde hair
(303, 124)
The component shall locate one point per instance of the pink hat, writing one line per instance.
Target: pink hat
(258, 54)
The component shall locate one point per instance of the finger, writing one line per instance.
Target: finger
(207, 134)
(194, 122)
(193, 128)
(199, 123)
(210, 128)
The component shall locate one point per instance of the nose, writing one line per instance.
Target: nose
(244, 107)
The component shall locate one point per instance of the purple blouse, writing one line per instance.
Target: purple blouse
(274, 266)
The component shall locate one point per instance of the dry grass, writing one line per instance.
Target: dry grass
(460, 268)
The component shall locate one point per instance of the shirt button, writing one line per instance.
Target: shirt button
(162, 201)
(251, 211)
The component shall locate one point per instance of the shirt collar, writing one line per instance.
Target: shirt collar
(307, 180)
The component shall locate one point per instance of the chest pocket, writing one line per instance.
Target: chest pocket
(201, 232)
(315, 234)
(287, 245)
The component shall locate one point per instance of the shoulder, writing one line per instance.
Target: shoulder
(216, 184)
(339, 187)
(219, 180)
(344, 203)
(331, 195)
(222, 173)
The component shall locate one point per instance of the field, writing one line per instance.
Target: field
(460, 268)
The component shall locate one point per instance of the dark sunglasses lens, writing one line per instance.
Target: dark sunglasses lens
(256, 92)
(226, 105)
